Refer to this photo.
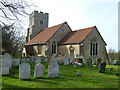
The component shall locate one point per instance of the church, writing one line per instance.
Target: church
(42, 40)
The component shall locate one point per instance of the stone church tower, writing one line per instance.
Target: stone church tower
(37, 22)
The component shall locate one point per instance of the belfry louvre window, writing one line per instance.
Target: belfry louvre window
(93, 48)
(41, 22)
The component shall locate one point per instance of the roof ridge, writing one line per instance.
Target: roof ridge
(85, 28)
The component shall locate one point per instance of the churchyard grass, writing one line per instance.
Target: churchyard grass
(91, 78)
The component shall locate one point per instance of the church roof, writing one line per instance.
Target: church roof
(44, 35)
(77, 36)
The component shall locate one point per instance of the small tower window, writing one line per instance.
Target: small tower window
(41, 22)
(62, 30)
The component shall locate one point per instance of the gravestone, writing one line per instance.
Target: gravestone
(24, 71)
(32, 59)
(112, 62)
(66, 60)
(53, 68)
(45, 59)
(82, 58)
(5, 70)
(71, 54)
(102, 67)
(16, 62)
(38, 60)
(7, 60)
(77, 56)
(60, 59)
(89, 62)
(98, 62)
(27, 60)
(23, 60)
(39, 71)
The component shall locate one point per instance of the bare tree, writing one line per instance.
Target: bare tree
(111, 54)
(11, 10)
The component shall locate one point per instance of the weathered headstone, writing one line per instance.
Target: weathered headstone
(5, 70)
(16, 62)
(98, 62)
(71, 54)
(89, 62)
(102, 67)
(60, 59)
(38, 60)
(66, 60)
(6, 60)
(24, 71)
(71, 58)
(53, 68)
(39, 71)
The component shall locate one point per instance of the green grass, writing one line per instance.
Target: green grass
(91, 78)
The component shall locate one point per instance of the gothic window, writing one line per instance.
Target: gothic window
(53, 48)
(41, 22)
(93, 48)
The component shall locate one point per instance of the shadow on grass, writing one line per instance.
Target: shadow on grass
(42, 81)
(10, 86)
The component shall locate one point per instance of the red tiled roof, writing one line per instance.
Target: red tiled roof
(44, 35)
(77, 36)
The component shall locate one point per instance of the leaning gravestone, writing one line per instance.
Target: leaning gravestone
(53, 68)
(38, 60)
(102, 67)
(98, 62)
(89, 62)
(6, 60)
(24, 71)
(39, 71)
(60, 59)
(66, 60)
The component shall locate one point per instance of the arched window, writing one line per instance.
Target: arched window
(93, 48)
(53, 48)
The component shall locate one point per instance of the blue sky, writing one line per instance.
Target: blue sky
(82, 14)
